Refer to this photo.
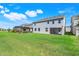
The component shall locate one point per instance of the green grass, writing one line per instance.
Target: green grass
(30, 44)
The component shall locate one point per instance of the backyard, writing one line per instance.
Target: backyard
(31, 44)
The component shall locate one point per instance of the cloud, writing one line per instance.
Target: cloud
(7, 10)
(66, 10)
(39, 11)
(33, 13)
(6, 25)
(3, 10)
(1, 7)
(61, 11)
(15, 16)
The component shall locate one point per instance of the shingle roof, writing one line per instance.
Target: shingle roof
(18, 27)
(49, 19)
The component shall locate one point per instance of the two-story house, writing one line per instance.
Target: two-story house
(51, 25)
(75, 25)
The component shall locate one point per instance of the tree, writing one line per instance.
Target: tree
(8, 29)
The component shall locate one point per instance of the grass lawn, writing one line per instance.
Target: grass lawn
(30, 44)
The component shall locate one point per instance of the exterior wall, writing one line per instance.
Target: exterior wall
(44, 25)
(64, 26)
(68, 29)
(74, 22)
(74, 30)
(77, 31)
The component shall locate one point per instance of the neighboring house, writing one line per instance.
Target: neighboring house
(27, 27)
(51, 25)
(24, 28)
(68, 28)
(18, 28)
(74, 25)
(77, 29)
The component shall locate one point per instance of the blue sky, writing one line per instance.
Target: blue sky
(12, 14)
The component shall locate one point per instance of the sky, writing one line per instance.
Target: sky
(15, 14)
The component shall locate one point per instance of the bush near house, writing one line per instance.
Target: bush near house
(68, 33)
(30, 44)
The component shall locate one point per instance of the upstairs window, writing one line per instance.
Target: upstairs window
(47, 22)
(53, 22)
(59, 21)
(38, 29)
